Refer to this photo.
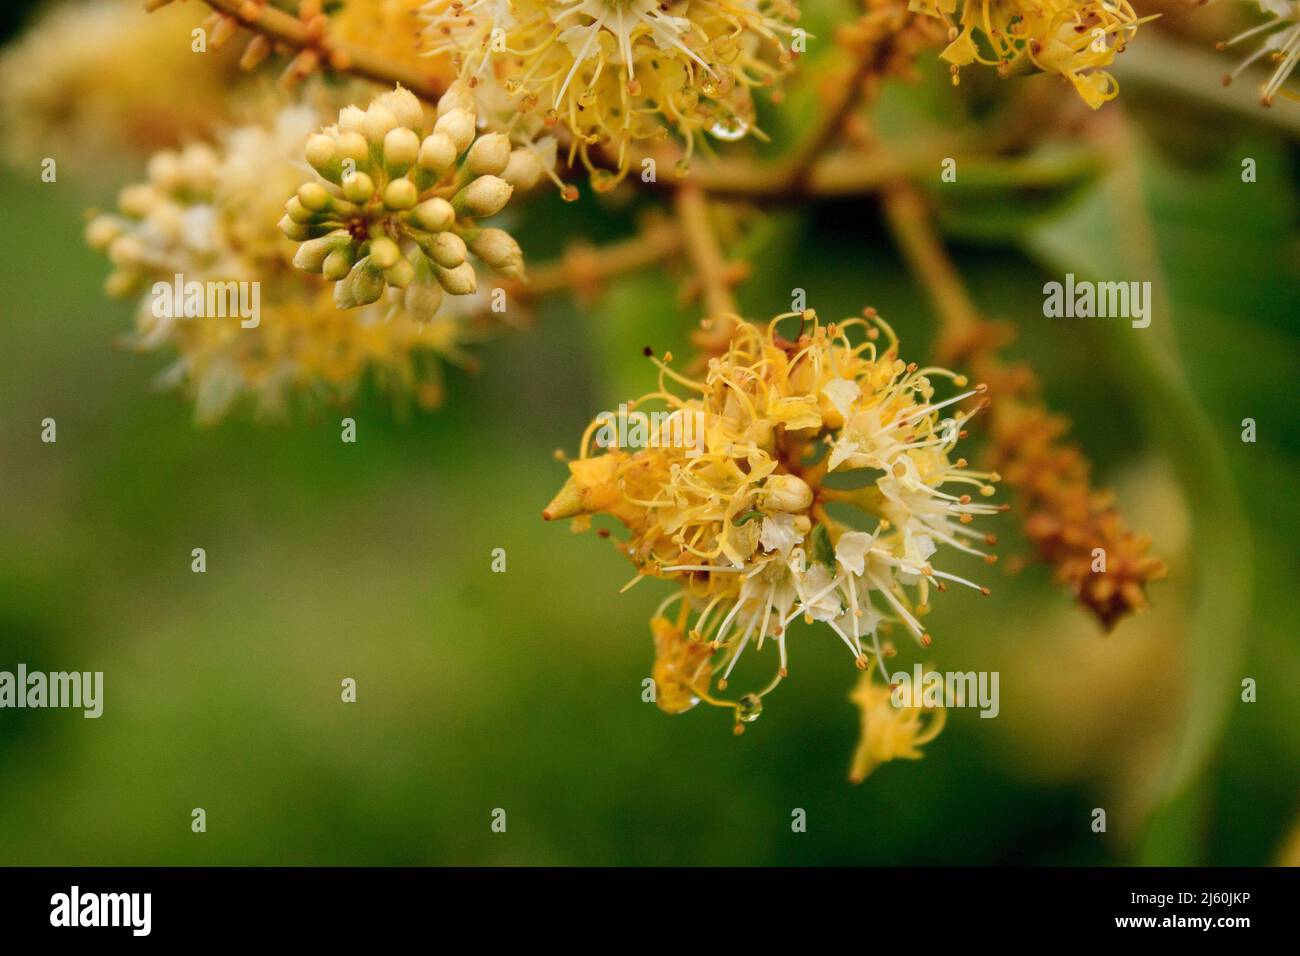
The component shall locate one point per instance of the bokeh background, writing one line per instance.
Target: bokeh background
(522, 690)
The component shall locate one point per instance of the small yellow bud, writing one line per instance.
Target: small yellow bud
(378, 123)
(384, 252)
(353, 146)
(358, 187)
(438, 153)
(523, 170)
(422, 300)
(401, 147)
(405, 106)
(458, 281)
(457, 97)
(101, 231)
(787, 493)
(485, 196)
(490, 154)
(498, 249)
(459, 125)
(434, 215)
(400, 194)
(314, 197)
(447, 249)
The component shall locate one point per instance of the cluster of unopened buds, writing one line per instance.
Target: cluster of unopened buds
(731, 498)
(397, 203)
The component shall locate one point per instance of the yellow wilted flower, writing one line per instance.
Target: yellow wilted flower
(615, 71)
(724, 492)
(1075, 38)
(889, 731)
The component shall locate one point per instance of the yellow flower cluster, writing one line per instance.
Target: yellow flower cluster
(395, 208)
(611, 72)
(727, 492)
(208, 215)
(1075, 38)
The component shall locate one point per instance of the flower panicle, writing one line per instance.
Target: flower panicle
(726, 494)
(398, 200)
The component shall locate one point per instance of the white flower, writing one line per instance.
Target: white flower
(851, 550)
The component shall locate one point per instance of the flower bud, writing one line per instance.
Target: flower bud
(485, 196)
(314, 197)
(499, 251)
(447, 249)
(310, 256)
(437, 153)
(400, 194)
(378, 123)
(400, 274)
(489, 155)
(401, 147)
(353, 146)
(459, 125)
(358, 187)
(787, 493)
(351, 119)
(102, 230)
(338, 263)
(384, 252)
(524, 169)
(422, 300)
(434, 215)
(367, 282)
(458, 281)
(136, 200)
(457, 97)
(405, 106)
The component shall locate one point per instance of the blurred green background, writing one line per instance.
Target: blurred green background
(522, 690)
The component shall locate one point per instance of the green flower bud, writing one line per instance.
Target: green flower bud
(378, 122)
(458, 281)
(384, 252)
(405, 106)
(459, 125)
(338, 263)
(490, 154)
(314, 197)
(400, 275)
(498, 249)
(367, 282)
(102, 230)
(401, 147)
(437, 153)
(322, 156)
(400, 194)
(457, 97)
(433, 215)
(310, 256)
(358, 187)
(446, 249)
(353, 146)
(422, 300)
(485, 196)
(524, 169)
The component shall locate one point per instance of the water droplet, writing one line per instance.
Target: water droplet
(749, 708)
(729, 129)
